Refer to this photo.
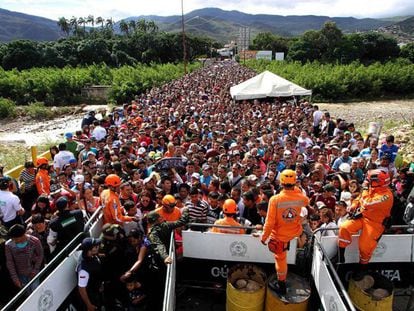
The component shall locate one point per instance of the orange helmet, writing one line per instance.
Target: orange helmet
(41, 161)
(169, 200)
(113, 180)
(378, 178)
(288, 177)
(229, 207)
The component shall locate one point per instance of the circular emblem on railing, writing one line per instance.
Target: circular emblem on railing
(45, 301)
(380, 250)
(238, 248)
(332, 304)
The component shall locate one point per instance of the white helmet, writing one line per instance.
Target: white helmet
(345, 168)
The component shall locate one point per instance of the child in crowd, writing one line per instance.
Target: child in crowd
(136, 296)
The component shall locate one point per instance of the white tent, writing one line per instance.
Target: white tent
(266, 84)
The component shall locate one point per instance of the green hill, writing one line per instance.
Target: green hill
(16, 25)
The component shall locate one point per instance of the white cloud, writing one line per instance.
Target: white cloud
(123, 8)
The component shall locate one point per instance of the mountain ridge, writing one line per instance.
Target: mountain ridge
(216, 23)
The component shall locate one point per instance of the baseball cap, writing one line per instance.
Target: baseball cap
(345, 150)
(68, 135)
(196, 176)
(78, 179)
(320, 205)
(89, 243)
(73, 160)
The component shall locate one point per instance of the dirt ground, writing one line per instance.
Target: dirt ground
(390, 113)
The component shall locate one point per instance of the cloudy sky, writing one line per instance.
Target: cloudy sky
(120, 9)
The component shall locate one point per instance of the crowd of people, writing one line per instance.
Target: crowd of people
(185, 152)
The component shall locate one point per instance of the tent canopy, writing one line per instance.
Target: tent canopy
(267, 84)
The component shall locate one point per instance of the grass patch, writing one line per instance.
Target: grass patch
(38, 111)
(13, 154)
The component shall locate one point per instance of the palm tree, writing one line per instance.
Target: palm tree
(124, 27)
(74, 25)
(82, 21)
(110, 23)
(142, 25)
(132, 25)
(90, 20)
(100, 20)
(64, 25)
(152, 26)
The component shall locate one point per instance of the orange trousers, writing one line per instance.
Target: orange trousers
(281, 265)
(370, 233)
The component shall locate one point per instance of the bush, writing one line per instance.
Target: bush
(346, 82)
(7, 108)
(38, 110)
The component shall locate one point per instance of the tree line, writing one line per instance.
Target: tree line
(330, 45)
(90, 40)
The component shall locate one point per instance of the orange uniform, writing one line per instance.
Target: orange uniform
(227, 221)
(113, 212)
(174, 216)
(42, 182)
(283, 224)
(376, 205)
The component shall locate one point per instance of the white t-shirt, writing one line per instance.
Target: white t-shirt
(99, 133)
(9, 205)
(317, 117)
(62, 158)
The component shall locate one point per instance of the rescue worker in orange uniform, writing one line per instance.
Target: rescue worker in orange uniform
(283, 223)
(370, 217)
(229, 211)
(42, 179)
(113, 212)
(168, 211)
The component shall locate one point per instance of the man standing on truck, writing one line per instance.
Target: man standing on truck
(283, 223)
(371, 217)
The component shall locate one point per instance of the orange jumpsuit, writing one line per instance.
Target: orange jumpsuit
(113, 212)
(283, 224)
(173, 216)
(42, 182)
(376, 204)
(227, 221)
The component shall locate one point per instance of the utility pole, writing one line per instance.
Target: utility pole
(184, 48)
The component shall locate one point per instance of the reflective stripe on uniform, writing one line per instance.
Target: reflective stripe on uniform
(291, 203)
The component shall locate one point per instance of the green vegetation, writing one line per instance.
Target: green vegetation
(7, 108)
(139, 42)
(38, 110)
(54, 86)
(346, 82)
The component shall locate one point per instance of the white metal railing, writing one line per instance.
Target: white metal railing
(169, 293)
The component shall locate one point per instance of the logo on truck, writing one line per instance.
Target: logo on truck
(238, 249)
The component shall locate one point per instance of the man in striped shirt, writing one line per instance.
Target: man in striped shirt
(198, 208)
(24, 256)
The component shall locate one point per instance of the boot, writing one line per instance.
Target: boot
(341, 255)
(361, 271)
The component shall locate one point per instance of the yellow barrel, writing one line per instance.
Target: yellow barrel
(373, 292)
(296, 298)
(245, 288)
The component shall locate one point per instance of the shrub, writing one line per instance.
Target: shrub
(38, 110)
(7, 108)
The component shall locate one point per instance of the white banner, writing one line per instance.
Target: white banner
(330, 298)
(230, 247)
(390, 248)
(55, 288)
